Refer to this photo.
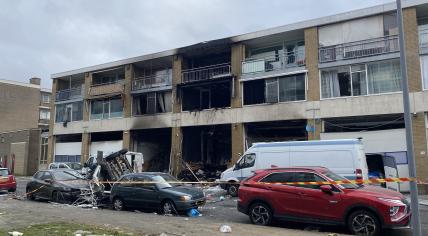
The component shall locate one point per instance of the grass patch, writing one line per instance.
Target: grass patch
(65, 229)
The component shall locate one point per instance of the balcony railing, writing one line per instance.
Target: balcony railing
(107, 88)
(365, 48)
(147, 82)
(68, 94)
(205, 73)
(423, 38)
(271, 63)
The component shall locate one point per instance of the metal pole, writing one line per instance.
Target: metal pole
(416, 223)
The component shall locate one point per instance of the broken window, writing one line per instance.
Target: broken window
(274, 90)
(199, 97)
(151, 103)
(106, 108)
(69, 112)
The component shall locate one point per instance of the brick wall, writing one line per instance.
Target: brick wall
(412, 49)
(237, 142)
(420, 148)
(311, 53)
(127, 103)
(176, 79)
(238, 54)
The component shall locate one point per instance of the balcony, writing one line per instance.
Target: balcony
(423, 39)
(148, 82)
(113, 88)
(364, 48)
(206, 73)
(272, 63)
(69, 94)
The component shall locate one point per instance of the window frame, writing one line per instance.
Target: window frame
(422, 58)
(104, 102)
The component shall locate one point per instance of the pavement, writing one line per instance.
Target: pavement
(21, 213)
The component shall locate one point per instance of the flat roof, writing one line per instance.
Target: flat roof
(253, 35)
(5, 81)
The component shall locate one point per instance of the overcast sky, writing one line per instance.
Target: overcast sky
(42, 37)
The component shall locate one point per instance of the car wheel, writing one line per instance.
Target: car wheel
(363, 222)
(168, 207)
(12, 190)
(232, 190)
(260, 214)
(118, 204)
(30, 195)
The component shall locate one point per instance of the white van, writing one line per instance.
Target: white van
(345, 157)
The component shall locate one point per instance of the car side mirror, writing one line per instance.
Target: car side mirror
(326, 189)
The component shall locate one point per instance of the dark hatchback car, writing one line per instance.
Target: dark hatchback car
(155, 191)
(58, 185)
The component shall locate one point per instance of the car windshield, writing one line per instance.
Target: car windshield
(75, 166)
(65, 175)
(335, 177)
(164, 181)
(4, 172)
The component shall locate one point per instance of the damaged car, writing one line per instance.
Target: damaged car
(155, 191)
(57, 185)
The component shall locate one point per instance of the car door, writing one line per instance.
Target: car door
(281, 196)
(146, 194)
(36, 184)
(246, 165)
(390, 168)
(125, 190)
(45, 185)
(314, 203)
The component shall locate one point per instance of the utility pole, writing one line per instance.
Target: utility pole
(416, 223)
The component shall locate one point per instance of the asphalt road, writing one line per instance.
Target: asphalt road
(215, 213)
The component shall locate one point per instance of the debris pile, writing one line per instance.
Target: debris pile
(196, 171)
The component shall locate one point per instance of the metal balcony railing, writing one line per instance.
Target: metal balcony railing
(153, 81)
(364, 48)
(271, 63)
(205, 73)
(69, 94)
(423, 38)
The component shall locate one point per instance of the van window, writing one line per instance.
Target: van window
(247, 161)
(307, 177)
(278, 178)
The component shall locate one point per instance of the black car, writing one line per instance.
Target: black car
(156, 191)
(58, 185)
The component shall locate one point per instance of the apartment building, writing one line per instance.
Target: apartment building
(25, 114)
(332, 77)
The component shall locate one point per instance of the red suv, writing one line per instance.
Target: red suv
(7, 181)
(364, 209)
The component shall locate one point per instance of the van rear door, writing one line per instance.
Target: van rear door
(390, 171)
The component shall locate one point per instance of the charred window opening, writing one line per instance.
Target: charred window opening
(361, 123)
(151, 103)
(213, 95)
(277, 131)
(274, 90)
(106, 136)
(155, 145)
(68, 138)
(207, 150)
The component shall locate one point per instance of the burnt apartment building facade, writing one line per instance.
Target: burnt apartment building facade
(205, 104)
(24, 126)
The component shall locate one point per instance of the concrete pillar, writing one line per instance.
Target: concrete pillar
(127, 97)
(238, 142)
(176, 150)
(420, 149)
(126, 140)
(88, 82)
(317, 124)
(177, 62)
(51, 138)
(86, 141)
(411, 38)
(311, 54)
(238, 55)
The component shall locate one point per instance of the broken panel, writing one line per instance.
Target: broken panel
(206, 96)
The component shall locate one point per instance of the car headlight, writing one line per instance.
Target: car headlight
(185, 198)
(394, 210)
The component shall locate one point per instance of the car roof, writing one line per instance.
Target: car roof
(301, 168)
(57, 170)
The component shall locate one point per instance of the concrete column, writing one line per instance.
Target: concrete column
(238, 55)
(177, 62)
(88, 82)
(317, 124)
(420, 149)
(311, 54)
(126, 140)
(51, 138)
(411, 38)
(176, 149)
(86, 141)
(238, 141)
(127, 98)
